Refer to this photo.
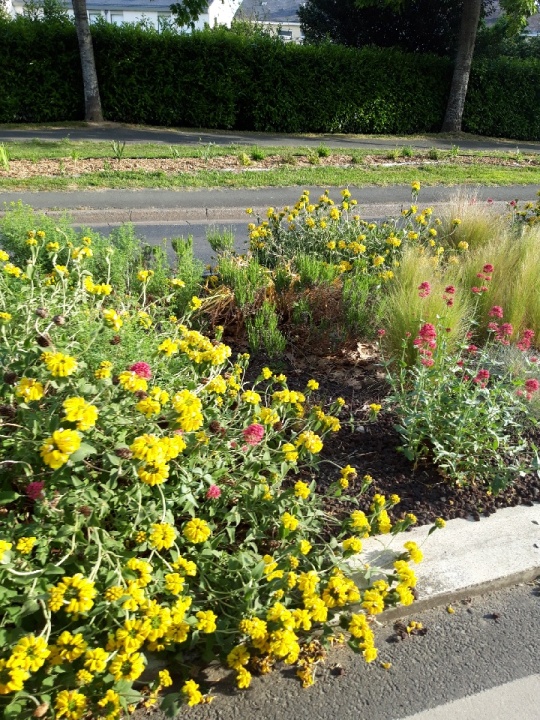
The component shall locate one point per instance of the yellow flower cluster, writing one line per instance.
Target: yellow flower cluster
(57, 449)
(58, 364)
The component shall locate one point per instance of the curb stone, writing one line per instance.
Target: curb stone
(465, 558)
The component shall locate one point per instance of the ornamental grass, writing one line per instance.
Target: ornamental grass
(154, 507)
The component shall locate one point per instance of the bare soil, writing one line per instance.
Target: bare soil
(372, 448)
(67, 167)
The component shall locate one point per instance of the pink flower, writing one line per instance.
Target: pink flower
(450, 290)
(482, 376)
(428, 362)
(513, 203)
(532, 385)
(142, 369)
(533, 359)
(425, 289)
(525, 342)
(449, 301)
(381, 332)
(506, 329)
(489, 201)
(496, 311)
(476, 290)
(253, 434)
(460, 363)
(488, 268)
(472, 349)
(493, 327)
(34, 490)
(213, 492)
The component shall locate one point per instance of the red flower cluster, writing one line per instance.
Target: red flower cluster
(213, 492)
(142, 369)
(482, 377)
(447, 297)
(253, 434)
(425, 289)
(525, 341)
(34, 490)
(496, 311)
(502, 332)
(425, 343)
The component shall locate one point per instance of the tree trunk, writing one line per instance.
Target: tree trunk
(462, 67)
(92, 101)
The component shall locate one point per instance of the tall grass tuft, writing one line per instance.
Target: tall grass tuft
(402, 310)
(467, 220)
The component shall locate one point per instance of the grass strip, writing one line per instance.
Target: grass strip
(436, 174)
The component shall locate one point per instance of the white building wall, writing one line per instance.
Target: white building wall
(222, 13)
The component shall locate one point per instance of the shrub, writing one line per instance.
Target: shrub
(155, 505)
(466, 408)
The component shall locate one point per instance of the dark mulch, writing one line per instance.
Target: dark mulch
(371, 447)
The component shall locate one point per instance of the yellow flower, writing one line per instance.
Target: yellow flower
(132, 382)
(414, 551)
(463, 245)
(378, 260)
(301, 490)
(291, 454)
(206, 621)
(145, 275)
(25, 544)
(238, 657)
(310, 441)
(30, 653)
(96, 660)
(373, 602)
(289, 522)
(70, 703)
(127, 667)
(29, 389)
(312, 385)
(304, 547)
(74, 594)
(174, 583)
(154, 473)
(5, 317)
(4, 257)
(195, 303)
(11, 269)
(251, 397)
(115, 592)
(111, 705)
(162, 536)
(68, 647)
(440, 523)
(78, 410)
(58, 364)
(243, 678)
(104, 371)
(415, 186)
(191, 690)
(176, 282)
(352, 545)
(11, 678)
(197, 531)
(84, 677)
(5, 547)
(113, 319)
(148, 407)
(168, 347)
(56, 450)
(375, 408)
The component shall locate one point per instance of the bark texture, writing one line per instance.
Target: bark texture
(462, 67)
(92, 100)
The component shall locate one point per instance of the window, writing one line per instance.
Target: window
(117, 18)
(93, 17)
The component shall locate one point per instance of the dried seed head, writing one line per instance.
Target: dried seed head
(116, 340)
(141, 395)
(10, 377)
(59, 320)
(44, 341)
(41, 312)
(85, 510)
(124, 453)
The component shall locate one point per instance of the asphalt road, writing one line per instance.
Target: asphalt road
(490, 641)
(174, 136)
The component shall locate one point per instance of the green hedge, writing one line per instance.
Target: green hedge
(221, 79)
(503, 99)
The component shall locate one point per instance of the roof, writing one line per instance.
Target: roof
(270, 10)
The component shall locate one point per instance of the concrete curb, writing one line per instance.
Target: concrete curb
(466, 558)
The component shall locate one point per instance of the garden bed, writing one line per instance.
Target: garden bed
(372, 447)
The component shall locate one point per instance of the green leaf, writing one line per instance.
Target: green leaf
(84, 451)
(8, 496)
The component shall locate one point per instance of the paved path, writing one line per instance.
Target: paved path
(172, 136)
(479, 663)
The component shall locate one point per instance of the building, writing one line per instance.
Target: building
(155, 12)
(280, 16)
